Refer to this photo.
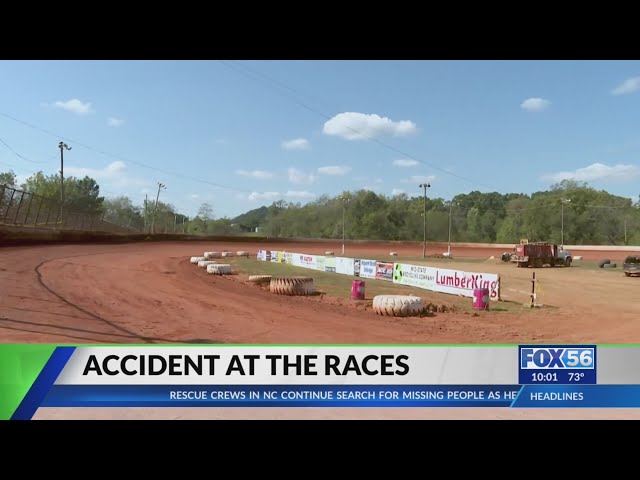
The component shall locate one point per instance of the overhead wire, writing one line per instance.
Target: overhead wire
(122, 158)
(284, 86)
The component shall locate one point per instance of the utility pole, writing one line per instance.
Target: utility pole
(424, 219)
(146, 202)
(344, 202)
(450, 212)
(155, 209)
(562, 202)
(62, 146)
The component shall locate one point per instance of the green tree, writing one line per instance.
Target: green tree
(8, 178)
(80, 195)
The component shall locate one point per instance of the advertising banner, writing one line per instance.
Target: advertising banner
(414, 276)
(320, 262)
(454, 282)
(304, 261)
(464, 283)
(330, 264)
(261, 255)
(345, 266)
(384, 271)
(288, 258)
(274, 255)
(367, 268)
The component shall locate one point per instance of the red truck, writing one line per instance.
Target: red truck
(539, 254)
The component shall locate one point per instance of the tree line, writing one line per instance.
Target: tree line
(570, 210)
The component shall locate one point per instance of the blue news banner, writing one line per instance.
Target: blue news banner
(549, 377)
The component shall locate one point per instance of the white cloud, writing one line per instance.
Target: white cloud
(405, 162)
(397, 191)
(75, 106)
(535, 104)
(596, 171)
(115, 122)
(334, 170)
(379, 180)
(630, 85)
(299, 194)
(114, 174)
(296, 144)
(264, 195)
(259, 174)
(298, 176)
(194, 196)
(360, 126)
(417, 179)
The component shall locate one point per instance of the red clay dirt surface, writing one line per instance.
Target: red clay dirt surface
(151, 293)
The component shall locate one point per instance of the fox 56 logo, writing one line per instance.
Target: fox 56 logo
(557, 357)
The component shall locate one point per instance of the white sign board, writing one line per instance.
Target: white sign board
(304, 261)
(367, 268)
(455, 282)
(345, 266)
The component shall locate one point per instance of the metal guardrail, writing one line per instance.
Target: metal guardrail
(24, 209)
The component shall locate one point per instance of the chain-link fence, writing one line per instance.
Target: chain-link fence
(23, 209)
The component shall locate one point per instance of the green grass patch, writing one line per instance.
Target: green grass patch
(338, 285)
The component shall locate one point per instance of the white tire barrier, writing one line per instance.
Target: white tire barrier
(227, 254)
(211, 255)
(397, 305)
(292, 286)
(205, 263)
(328, 253)
(242, 253)
(393, 254)
(260, 278)
(195, 260)
(219, 269)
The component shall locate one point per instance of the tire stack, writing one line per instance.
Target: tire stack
(195, 260)
(398, 305)
(219, 269)
(292, 286)
(205, 263)
(260, 279)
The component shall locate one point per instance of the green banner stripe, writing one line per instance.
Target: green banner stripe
(20, 365)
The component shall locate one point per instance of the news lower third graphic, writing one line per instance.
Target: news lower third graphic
(263, 376)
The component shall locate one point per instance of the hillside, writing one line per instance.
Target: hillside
(586, 217)
(252, 218)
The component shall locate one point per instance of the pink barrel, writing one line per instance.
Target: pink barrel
(357, 290)
(481, 299)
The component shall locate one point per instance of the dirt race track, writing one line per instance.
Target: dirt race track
(150, 293)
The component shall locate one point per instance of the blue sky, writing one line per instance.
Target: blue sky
(294, 130)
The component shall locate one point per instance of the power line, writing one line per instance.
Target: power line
(16, 153)
(357, 132)
(120, 157)
(284, 86)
